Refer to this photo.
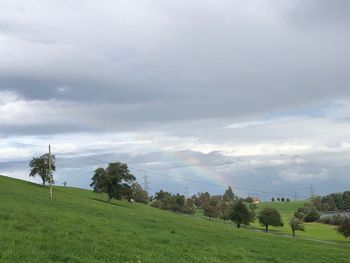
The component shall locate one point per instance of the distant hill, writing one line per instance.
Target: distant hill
(79, 226)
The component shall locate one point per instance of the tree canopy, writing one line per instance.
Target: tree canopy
(270, 217)
(115, 181)
(40, 166)
(240, 213)
(296, 224)
(228, 196)
(344, 227)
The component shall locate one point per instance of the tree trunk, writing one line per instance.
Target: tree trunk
(43, 182)
(293, 231)
(267, 228)
(238, 225)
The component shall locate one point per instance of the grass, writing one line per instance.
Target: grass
(79, 226)
(312, 230)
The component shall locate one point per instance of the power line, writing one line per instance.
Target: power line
(157, 173)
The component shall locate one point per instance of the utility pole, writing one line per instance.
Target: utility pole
(145, 183)
(50, 171)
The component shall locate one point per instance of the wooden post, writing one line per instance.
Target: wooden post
(50, 171)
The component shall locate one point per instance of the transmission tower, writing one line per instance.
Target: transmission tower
(312, 191)
(145, 182)
(187, 193)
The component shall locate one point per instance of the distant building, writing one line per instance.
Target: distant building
(256, 200)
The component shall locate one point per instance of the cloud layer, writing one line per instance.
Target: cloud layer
(220, 85)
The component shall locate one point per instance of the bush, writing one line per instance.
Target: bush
(312, 216)
(344, 227)
(333, 220)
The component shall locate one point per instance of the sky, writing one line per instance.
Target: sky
(200, 94)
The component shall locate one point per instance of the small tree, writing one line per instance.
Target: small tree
(344, 227)
(138, 194)
(282, 199)
(212, 207)
(272, 199)
(270, 217)
(228, 196)
(115, 181)
(296, 224)
(287, 200)
(40, 166)
(240, 214)
(278, 199)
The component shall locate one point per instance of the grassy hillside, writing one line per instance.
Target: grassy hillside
(312, 230)
(78, 226)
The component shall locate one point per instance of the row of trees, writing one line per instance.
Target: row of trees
(280, 199)
(177, 203)
(333, 202)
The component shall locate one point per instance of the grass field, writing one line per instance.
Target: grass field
(312, 230)
(79, 226)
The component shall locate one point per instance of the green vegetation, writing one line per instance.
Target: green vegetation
(115, 181)
(313, 230)
(80, 226)
(269, 216)
(40, 166)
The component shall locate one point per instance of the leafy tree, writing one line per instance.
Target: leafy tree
(278, 199)
(308, 213)
(272, 199)
(40, 166)
(225, 211)
(138, 194)
(228, 196)
(270, 217)
(203, 199)
(312, 215)
(161, 195)
(287, 199)
(249, 199)
(240, 213)
(115, 181)
(282, 199)
(188, 207)
(296, 224)
(344, 227)
(212, 207)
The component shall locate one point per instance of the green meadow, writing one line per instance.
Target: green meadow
(79, 226)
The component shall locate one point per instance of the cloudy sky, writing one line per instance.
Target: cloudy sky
(252, 94)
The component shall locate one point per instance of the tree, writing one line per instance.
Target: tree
(344, 227)
(296, 224)
(287, 199)
(270, 217)
(40, 166)
(138, 194)
(161, 195)
(203, 199)
(272, 199)
(278, 199)
(240, 214)
(212, 207)
(282, 199)
(249, 199)
(115, 181)
(228, 196)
